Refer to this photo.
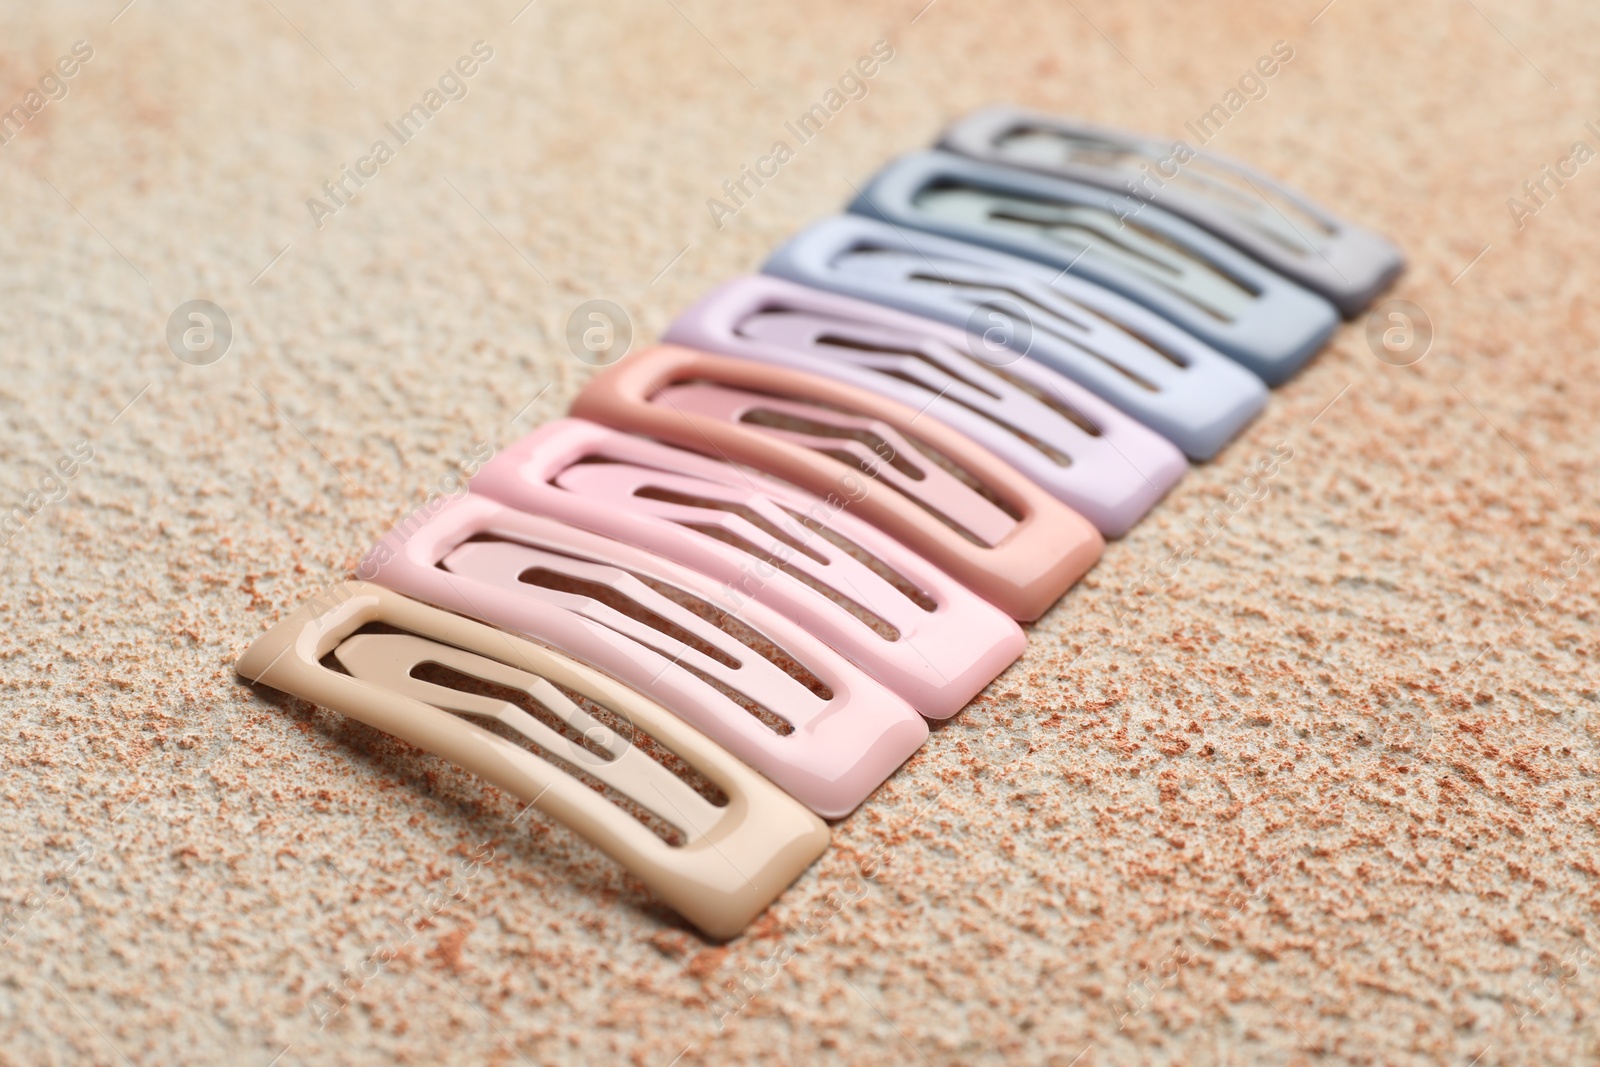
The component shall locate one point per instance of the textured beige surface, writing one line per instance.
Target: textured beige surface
(1328, 798)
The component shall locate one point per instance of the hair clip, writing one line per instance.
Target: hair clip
(1103, 464)
(1279, 226)
(749, 679)
(1208, 287)
(923, 635)
(932, 488)
(596, 757)
(1170, 381)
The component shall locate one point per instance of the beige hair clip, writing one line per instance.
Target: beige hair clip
(558, 736)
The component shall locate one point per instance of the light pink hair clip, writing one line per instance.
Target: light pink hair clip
(750, 679)
(921, 633)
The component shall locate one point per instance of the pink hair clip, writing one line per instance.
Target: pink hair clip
(957, 504)
(915, 629)
(1100, 462)
(750, 679)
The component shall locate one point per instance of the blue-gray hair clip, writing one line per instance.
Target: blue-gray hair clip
(1147, 254)
(1166, 378)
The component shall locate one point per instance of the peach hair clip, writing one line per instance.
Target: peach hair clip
(957, 504)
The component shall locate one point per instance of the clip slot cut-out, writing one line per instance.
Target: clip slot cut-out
(745, 676)
(1103, 464)
(1212, 290)
(922, 634)
(957, 504)
(1259, 215)
(427, 680)
(1167, 379)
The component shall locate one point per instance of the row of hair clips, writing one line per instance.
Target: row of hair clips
(764, 553)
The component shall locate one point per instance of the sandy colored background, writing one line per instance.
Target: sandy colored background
(1329, 798)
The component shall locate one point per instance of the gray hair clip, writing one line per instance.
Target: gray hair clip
(1279, 226)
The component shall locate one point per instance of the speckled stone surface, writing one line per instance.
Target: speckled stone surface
(1326, 794)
